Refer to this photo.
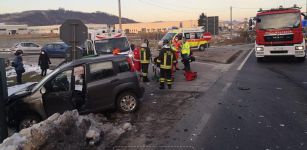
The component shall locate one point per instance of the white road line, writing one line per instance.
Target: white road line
(200, 126)
(245, 60)
(226, 87)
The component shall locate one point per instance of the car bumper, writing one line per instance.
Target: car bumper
(264, 51)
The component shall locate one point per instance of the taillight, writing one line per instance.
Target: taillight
(131, 64)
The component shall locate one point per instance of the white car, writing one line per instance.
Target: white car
(27, 48)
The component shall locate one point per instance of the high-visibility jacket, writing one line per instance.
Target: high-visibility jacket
(185, 50)
(176, 45)
(145, 55)
(166, 58)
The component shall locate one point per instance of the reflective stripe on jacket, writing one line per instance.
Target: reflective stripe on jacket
(145, 55)
(166, 59)
(186, 49)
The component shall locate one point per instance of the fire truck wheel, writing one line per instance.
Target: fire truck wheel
(259, 59)
(300, 59)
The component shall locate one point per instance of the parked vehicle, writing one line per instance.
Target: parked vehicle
(105, 41)
(27, 48)
(279, 33)
(89, 85)
(194, 36)
(57, 49)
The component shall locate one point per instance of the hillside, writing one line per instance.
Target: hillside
(52, 17)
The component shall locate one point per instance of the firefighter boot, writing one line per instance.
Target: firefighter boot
(162, 86)
(169, 86)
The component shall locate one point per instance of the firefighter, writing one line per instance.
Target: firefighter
(185, 55)
(145, 57)
(166, 59)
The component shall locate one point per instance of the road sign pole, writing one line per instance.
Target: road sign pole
(74, 43)
(3, 97)
(74, 33)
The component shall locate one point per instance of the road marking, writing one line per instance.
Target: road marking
(226, 87)
(199, 128)
(245, 60)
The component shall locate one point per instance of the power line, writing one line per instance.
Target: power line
(166, 8)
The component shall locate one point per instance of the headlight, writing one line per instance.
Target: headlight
(259, 48)
(299, 47)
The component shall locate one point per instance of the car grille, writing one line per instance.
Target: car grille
(278, 38)
(279, 52)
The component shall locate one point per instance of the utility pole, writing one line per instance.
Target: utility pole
(230, 22)
(3, 97)
(119, 15)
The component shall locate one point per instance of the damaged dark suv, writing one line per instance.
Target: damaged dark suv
(88, 85)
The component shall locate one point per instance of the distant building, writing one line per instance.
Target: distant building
(13, 29)
(56, 28)
(156, 26)
(25, 29)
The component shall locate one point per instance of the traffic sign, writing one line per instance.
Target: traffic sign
(73, 32)
(207, 36)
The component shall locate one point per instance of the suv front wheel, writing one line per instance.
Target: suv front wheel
(127, 102)
(28, 121)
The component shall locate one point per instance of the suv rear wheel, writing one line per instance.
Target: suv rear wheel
(127, 102)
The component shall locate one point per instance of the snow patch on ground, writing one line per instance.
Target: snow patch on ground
(68, 131)
(13, 89)
(10, 71)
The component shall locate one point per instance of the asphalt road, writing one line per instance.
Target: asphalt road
(253, 106)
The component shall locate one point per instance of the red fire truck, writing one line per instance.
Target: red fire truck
(279, 33)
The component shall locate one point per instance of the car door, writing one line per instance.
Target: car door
(24, 47)
(57, 97)
(60, 50)
(101, 81)
(49, 49)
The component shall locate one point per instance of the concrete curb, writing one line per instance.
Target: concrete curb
(228, 60)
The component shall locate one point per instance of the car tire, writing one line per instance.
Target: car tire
(28, 121)
(259, 59)
(202, 47)
(301, 59)
(127, 102)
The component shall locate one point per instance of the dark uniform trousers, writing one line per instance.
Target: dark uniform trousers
(144, 69)
(166, 76)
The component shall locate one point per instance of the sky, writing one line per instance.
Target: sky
(154, 10)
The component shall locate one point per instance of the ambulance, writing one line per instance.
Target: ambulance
(106, 41)
(194, 36)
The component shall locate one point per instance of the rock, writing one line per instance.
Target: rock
(127, 126)
(93, 136)
(67, 131)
